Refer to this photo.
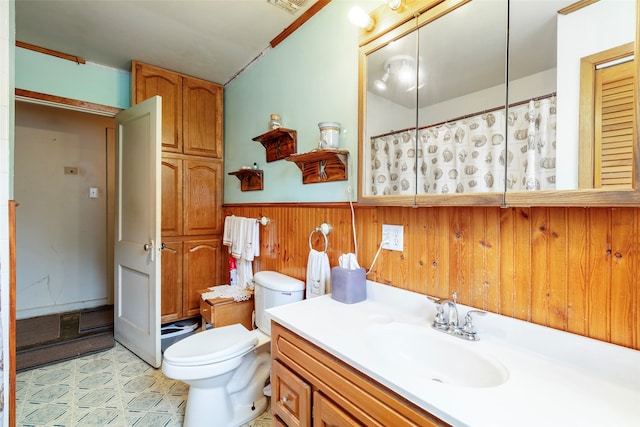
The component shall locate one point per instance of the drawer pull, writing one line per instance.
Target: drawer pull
(284, 400)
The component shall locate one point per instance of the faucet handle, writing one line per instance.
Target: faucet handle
(468, 329)
(437, 301)
(438, 321)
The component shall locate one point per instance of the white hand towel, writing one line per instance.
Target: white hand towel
(318, 274)
(251, 239)
(245, 273)
(227, 235)
(237, 238)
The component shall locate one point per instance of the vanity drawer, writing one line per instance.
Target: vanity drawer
(291, 397)
(328, 414)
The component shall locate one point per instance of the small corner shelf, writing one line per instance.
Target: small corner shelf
(322, 165)
(279, 143)
(250, 179)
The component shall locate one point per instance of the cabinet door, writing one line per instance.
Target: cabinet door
(277, 422)
(172, 213)
(291, 397)
(327, 414)
(202, 118)
(203, 182)
(150, 81)
(171, 293)
(202, 269)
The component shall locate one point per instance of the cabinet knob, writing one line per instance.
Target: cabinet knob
(284, 400)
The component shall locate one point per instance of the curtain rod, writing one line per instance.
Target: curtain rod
(466, 116)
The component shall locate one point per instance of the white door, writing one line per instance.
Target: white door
(137, 230)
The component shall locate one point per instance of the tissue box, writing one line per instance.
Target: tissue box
(348, 286)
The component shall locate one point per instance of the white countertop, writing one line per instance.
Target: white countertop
(554, 378)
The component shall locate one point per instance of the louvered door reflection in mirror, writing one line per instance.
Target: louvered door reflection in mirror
(577, 134)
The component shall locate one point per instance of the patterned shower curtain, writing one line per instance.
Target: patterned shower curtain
(470, 154)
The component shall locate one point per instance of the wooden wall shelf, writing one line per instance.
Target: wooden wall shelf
(322, 165)
(279, 143)
(250, 179)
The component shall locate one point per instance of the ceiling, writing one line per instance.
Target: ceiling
(210, 39)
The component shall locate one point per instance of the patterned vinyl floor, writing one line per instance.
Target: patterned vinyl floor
(111, 388)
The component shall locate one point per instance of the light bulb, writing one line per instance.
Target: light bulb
(359, 17)
(381, 84)
(405, 75)
(393, 4)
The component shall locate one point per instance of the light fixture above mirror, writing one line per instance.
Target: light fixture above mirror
(362, 19)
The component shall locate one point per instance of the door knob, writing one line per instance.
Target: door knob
(148, 247)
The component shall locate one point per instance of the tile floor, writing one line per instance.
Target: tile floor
(111, 388)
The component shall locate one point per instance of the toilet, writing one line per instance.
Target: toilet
(227, 368)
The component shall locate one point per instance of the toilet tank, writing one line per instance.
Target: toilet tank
(271, 290)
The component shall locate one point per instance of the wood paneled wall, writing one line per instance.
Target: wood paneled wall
(573, 269)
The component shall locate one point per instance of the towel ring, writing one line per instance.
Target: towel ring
(326, 241)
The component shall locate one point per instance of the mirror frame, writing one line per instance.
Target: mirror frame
(391, 25)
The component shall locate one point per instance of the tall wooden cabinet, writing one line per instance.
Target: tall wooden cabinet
(192, 184)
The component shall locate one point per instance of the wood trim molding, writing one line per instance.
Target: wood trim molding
(576, 6)
(55, 53)
(289, 205)
(317, 6)
(60, 101)
(12, 313)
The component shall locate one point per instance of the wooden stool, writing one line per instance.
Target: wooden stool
(225, 311)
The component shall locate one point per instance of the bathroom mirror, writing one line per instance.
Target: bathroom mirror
(442, 134)
(577, 141)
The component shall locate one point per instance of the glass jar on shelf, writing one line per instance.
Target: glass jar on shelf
(274, 122)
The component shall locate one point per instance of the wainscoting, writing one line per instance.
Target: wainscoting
(573, 269)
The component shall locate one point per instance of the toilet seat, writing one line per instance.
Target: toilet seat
(212, 346)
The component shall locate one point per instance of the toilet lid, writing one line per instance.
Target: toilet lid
(214, 345)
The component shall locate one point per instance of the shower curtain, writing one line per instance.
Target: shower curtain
(470, 154)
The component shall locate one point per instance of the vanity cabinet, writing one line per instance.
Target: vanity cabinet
(291, 396)
(310, 387)
(192, 185)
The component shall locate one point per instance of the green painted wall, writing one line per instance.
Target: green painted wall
(86, 82)
(311, 77)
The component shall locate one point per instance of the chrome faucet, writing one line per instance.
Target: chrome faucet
(451, 324)
(451, 321)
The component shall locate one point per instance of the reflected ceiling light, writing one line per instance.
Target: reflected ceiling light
(359, 17)
(406, 73)
(402, 69)
(381, 84)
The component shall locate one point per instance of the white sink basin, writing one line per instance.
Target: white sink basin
(434, 356)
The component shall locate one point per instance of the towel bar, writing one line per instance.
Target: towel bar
(263, 220)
